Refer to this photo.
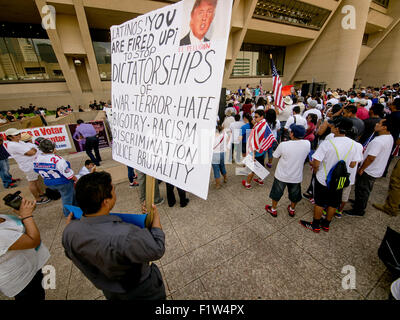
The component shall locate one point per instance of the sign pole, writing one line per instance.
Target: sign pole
(150, 185)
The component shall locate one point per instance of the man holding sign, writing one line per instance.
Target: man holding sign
(260, 140)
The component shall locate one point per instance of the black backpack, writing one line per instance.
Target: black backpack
(338, 177)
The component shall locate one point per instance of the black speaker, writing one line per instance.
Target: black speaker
(222, 105)
(305, 89)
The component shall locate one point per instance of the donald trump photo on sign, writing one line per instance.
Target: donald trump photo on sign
(201, 17)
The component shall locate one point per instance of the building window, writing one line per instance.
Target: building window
(102, 50)
(253, 60)
(25, 55)
(383, 3)
(291, 12)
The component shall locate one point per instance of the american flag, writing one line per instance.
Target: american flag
(261, 137)
(277, 86)
(366, 143)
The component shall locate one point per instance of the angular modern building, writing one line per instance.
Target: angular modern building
(342, 43)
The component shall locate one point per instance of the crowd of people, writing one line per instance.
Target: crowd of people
(348, 138)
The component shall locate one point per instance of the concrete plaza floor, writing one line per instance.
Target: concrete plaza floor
(228, 247)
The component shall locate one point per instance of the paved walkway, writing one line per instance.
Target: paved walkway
(228, 248)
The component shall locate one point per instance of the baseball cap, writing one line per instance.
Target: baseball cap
(298, 131)
(11, 132)
(47, 145)
(313, 103)
(26, 136)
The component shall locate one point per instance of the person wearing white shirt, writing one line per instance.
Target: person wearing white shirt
(25, 154)
(235, 130)
(375, 158)
(324, 159)
(289, 171)
(312, 105)
(89, 167)
(296, 118)
(218, 159)
(22, 255)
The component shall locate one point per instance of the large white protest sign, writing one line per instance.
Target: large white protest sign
(167, 71)
(256, 167)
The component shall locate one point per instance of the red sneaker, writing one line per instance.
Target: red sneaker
(259, 181)
(271, 211)
(291, 211)
(247, 186)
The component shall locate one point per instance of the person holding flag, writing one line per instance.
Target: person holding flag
(260, 140)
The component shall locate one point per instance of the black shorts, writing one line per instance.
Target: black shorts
(294, 190)
(261, 160)
(324, 197)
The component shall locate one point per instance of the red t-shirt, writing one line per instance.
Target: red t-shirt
(247, 108)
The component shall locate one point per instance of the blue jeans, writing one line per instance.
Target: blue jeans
(4, 173)
(67, 195)
(218, 164)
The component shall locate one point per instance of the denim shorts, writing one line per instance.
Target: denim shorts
(294, 190)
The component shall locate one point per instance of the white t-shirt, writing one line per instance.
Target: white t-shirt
(285, 113)
(333, 101)
(17, 150)
(235, 129)
(276, 129)
(17, 267)
(369, 104)
(299, 121)
(358, 158)
(326, 154)
(314, 111)
(292, 155)
(83, 172)
(221, 142)
(380, 147)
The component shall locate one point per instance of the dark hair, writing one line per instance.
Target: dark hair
(79, 121)
(219, 126)
(396, 103)
(270, 116)
(294, 99)
(87, 162)
(260, 102)
(388, 124)
(336, 108)
(237, 117)
(249, 118)
(296, 109)
(377, 109)
(92, 189)
(343, 99)
(313, 118)
(261, 113)
(248, 100)
(351, 108)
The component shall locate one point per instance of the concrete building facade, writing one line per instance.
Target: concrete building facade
(338, 42)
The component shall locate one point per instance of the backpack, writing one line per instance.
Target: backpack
(338, 177)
